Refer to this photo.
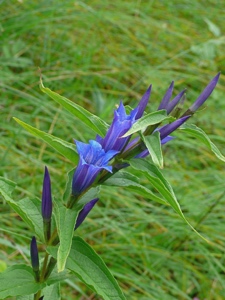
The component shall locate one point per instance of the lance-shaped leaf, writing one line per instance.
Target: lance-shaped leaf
(28, 209)
(153, 144)
(63, 147)
(125, 179)
(198, 133)
(52, 292)
(90, 268)
(65, 220)
(158, 181)
(91, 120)
(148, 120)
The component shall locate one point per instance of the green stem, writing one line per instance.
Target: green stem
(50, 267)
(47, 230)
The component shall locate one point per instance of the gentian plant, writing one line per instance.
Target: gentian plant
(133, 140)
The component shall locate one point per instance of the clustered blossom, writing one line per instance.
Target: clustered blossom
(93, 159)
(96, 156)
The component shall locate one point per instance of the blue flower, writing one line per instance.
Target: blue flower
(84, 212)
(121, 124)
(93, 159)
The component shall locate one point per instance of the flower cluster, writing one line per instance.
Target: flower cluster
(96, 156)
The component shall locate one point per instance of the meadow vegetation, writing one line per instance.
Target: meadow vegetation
(96, 53)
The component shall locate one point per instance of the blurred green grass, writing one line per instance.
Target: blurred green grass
(95, 53)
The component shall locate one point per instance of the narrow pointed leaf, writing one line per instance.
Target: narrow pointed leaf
(158, 181)
(63, 147)
(148, 120)
(153, 144)
(91, 120)
(65, 220)
(86, 264)
(26, 297)
(125, 179)
(28, 209)
(198, 133)
(52, 292)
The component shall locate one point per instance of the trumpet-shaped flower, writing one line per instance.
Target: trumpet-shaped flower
(122, 122)
(93, 159)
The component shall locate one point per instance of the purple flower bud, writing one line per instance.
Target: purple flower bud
(93, 159)
(34, 254)
(169, 128)
(143, 103)
(46, 197)
(84, 212)
(174, 102)
(205, 94)
(166, 98)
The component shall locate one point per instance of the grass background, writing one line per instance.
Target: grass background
(95, 53)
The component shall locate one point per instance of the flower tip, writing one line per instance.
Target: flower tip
(217, 77)
(143, 103)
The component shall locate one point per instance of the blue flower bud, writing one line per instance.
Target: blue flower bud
(84, 212)
(34, 254)
(46, 197)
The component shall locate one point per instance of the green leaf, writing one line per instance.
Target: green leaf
(132, 182)
(6, 187)
(92, 121)
(65, 220)
(202, 137)
(148, 120)
(18, 280)
(153, 144)
(26, 297)
(68, 188)
(51, 292)
(158, 181)
(63, 147)
(28, 209)
(86, 264)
